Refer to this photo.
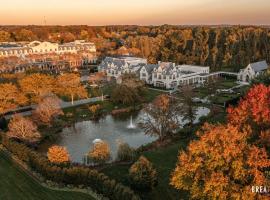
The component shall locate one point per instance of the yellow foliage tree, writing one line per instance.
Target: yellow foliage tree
(36, 86)
(100, 152)
(70, 85)
(10, 97)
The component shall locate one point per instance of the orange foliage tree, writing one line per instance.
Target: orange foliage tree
(57, 154)
(23, 129)
(221, 165)
(36, 86)
(10, 97)
(47, 110)
(100, 152)
(97, 78)
(70, 85)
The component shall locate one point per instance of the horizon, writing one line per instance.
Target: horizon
(120, 12)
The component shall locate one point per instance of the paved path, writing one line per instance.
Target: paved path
(63, 105)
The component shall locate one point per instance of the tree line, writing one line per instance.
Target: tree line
(218, 47)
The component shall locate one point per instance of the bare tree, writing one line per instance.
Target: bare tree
(47, 110)
(161, 117)
(23, 129)
(188, 109)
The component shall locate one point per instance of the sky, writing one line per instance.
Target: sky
(140, 12)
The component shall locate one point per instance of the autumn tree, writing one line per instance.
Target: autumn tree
(23, 129)
(125, 152)
(161, 117)
(58, 155)
(100, 153)
(70, 85)
(253, 109)
(84, 35)
(142, 174)
(4, 36)
(47, 109)
(97, 78)
(95, 110)
(25, 35)
(130, 91)
(221, 165)
(10, 97)
(37, 86)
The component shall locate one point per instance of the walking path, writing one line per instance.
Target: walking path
(63, 105)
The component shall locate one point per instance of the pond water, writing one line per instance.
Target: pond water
(79, 138)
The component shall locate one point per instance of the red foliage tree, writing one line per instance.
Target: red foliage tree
(221, 165)
(254, 109)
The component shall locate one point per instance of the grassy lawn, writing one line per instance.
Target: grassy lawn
(164, 160)
(16, 185)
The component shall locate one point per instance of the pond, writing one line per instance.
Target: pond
(79, 138)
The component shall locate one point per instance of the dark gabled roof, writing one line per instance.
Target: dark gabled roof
(150, 67)
(259, 66)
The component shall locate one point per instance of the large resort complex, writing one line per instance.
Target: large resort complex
(169, 75)
(19, 57)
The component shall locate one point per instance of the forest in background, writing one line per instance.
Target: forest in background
(220, 47)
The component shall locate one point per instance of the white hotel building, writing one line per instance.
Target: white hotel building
(37, 47)
(164, 74)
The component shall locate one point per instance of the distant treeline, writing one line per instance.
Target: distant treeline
(220, 47)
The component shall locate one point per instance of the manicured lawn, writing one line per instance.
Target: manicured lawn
(164, 160)
(150, 95)
(16, 185)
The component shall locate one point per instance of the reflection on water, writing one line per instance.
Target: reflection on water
(79, 138)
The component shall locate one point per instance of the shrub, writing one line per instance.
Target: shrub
(142, 174)
(68, 174)
(58, 155)
(100, 153)
(125, 152)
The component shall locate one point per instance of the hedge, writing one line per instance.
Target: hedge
(69, 174)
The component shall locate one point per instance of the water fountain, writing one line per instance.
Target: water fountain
(131, 125)
(96, 141)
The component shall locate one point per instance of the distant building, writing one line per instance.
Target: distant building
(115, 67)
(252, 70)
(37, 47)
(19, 57)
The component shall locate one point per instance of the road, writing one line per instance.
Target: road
(63, 105)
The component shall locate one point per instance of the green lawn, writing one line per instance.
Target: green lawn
(164, 160)
(17, 185)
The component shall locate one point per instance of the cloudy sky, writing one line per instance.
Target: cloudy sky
(142, 12)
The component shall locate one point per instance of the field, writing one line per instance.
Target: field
(17, 185)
